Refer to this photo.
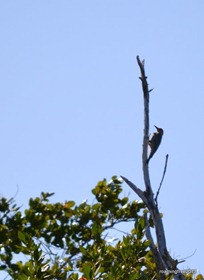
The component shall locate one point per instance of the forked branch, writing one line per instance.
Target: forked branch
(162, 258)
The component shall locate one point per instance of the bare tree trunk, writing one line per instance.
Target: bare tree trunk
(164, 262)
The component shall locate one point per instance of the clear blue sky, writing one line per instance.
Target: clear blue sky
(71, 108)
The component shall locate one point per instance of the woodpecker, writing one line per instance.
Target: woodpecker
(154, 142)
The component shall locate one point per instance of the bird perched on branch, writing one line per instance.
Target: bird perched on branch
(154, 142)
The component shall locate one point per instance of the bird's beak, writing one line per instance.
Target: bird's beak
(156, 127)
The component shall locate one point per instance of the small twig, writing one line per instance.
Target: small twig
(184, 259)
(164, 172)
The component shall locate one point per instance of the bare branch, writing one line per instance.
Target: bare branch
(164, 172)
(146, 91)
(160, 253)
(184, 259)
(153, 247)
(138, 191)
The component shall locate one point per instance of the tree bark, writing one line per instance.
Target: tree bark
(164, 262)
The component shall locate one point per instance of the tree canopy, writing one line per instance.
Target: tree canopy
(69, 241)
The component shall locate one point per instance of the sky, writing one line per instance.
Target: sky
(71, 107)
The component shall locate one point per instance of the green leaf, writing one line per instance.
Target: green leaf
(22, 237)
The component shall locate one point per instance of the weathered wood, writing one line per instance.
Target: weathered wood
(162, 258)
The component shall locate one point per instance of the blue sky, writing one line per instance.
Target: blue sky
(71, 108)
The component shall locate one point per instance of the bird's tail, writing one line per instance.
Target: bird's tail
(147, 161)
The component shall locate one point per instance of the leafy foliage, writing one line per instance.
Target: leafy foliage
(63, 240)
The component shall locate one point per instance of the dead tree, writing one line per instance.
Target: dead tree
(164, 262)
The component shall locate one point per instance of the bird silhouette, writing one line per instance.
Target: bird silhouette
(154, 142)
